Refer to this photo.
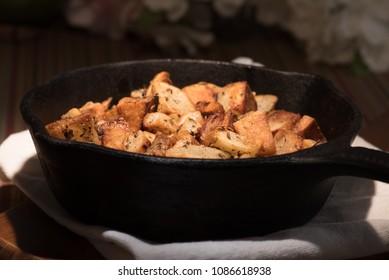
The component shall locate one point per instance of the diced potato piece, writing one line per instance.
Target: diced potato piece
(196, 151)
(183, 138)
(281, 119)
(255, 128)
(162, 77)
(287, 141)
(209, 108)
(139, 93)
(134, 109)
(204, 97)
(150, 136)
(159, 77)
(171, 100)
(201, 92)
(157, 121)
(114, 133)
(233, 143)
(308, 143)
(266, 102)
(136, 142)
(78, 128)
(96, 109)
(237, 97)
(159, 146)
(71, 113)
(214, 122)
(111, 114)
(308, 128)
(106, 103)
(191, 123)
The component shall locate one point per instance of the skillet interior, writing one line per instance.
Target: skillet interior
(204, 199)
(300, 93)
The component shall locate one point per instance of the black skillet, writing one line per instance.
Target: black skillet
(169, 199)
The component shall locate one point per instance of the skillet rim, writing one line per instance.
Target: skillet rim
(341, 142)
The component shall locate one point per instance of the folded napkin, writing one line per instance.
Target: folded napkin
(353, 223)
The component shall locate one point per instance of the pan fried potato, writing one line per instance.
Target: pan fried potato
(215, 122)
(157, 121)
(201, 120)
(266, 102)
(234, 143)
(287, 141)
(114, 133)
(136, 142)
(191, 123)
(172, 100)
(256, 129)
(80, 127)
(160, 145)
(133, 110)
(238, 98)
(197, 151)
(281, 119)
(308, 128)
(204, 96)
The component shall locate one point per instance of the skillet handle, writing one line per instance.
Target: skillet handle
(362, 162)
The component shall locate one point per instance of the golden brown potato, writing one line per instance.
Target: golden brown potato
(136, 142)
(134, 109)
(81, 128)
(159, 77)
(96, 109)
(171, 100)
(266, 102)
(238, 98)
(157, 121)
(308, 143)
(255, 128)
(201, 92)
(281, 119)
(209, 108)
(150, 136)
(191, 123)
(114, 133)
(204, 97)
(111, 114)
(183, 139)
(287, 141)
(139, 93)
(234, 143)
(160, 145)
(197, 151)
(308, 128)
(213, 123)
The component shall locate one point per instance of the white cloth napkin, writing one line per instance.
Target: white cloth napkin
(353, 223)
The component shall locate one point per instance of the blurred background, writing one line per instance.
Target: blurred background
(345, 40)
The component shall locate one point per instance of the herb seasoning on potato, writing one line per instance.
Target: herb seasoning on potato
(202, 120)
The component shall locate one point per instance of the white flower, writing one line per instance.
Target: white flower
(227, 8)
(174, 9)
(270, 12)
(112, 17)
(334, 31)
(374, 34)
(172, 35)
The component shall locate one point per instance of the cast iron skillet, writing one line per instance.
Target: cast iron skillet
(169, 199)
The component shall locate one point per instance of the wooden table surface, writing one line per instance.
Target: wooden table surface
(28, 233)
